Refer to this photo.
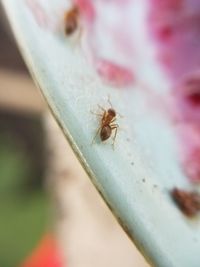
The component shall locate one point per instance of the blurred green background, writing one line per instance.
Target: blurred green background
(23, 202)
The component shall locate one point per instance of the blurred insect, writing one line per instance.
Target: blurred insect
(71, 20)
(107, 124)
(188, 202)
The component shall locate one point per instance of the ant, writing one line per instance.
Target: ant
(108, 124)
(188, 202)
(71, 20)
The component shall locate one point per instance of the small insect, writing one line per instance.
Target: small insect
(107, 124)
(71, 20)
(188, 202)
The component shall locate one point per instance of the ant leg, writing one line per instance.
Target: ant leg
(80, 32)
(113, 120)
(97, 114)
(77, 37)
(98, 130)
(101, 108)
(114, 127)
(110, 101)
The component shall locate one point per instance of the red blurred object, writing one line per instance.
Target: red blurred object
(114, 73)
(46, 254)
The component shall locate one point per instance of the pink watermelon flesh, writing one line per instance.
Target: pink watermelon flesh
(123, 35)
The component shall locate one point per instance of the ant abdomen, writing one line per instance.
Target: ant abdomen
(105, 133)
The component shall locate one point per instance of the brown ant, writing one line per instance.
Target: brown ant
(71, 20)
(188, 202)
(107, 125)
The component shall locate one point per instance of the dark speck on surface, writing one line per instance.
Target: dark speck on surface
(143, 180)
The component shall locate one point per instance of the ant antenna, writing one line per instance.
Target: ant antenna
(110, 101)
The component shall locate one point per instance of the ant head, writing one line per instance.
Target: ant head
(112, 112)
